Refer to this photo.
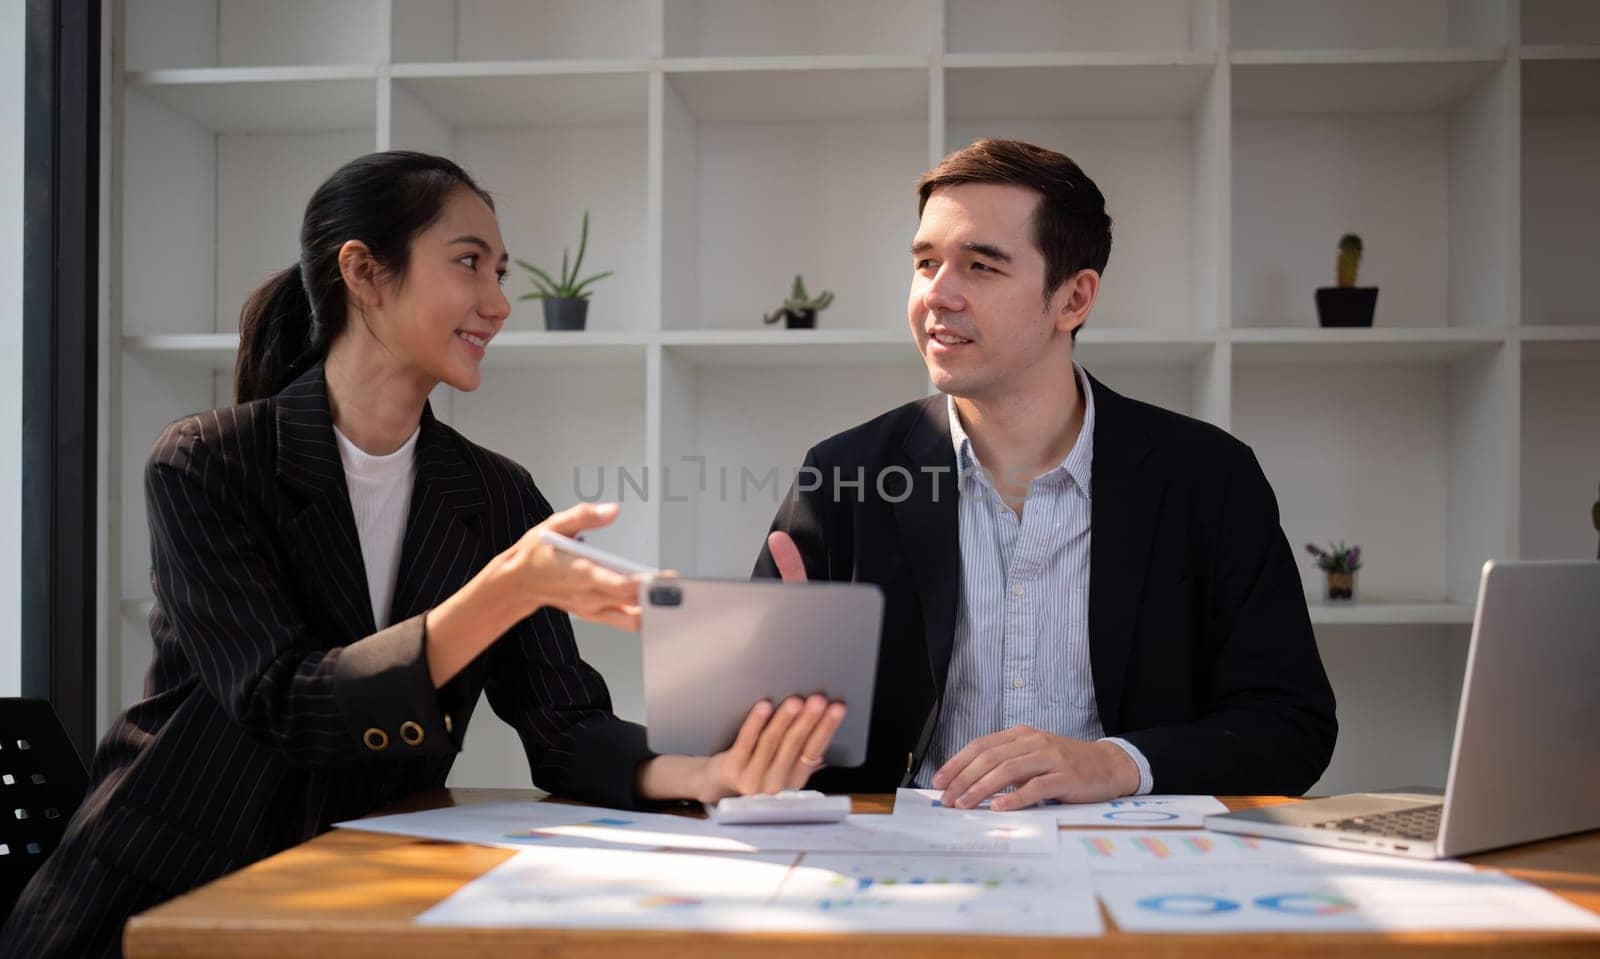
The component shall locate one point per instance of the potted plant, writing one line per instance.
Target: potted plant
(799, 311)
(566, 300)
(1347, 304)
(1340, 563)
(1594, 514)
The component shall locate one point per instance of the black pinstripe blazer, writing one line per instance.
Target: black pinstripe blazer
(274, 708)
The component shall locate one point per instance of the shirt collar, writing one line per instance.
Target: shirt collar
(1079, 462)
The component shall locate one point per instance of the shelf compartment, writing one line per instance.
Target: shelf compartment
(1075, 88)
(785, 348)
(1560, 22)
(248, 33)
(822, 187)
(547, 147)
(1406, 460)
(797, 91)
(218, 210)
(1366, 24)
(1427, 192)
(1382, 345)
(511, 349)
(468, 30)
(740, 28)
(1560, 451)
(1389, 83)
(266, 99)
(1026, 26)
(1560, 193)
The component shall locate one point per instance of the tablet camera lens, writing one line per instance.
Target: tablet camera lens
(666, 596)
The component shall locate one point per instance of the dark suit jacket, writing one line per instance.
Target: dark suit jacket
(1199, 637)
(271, 687)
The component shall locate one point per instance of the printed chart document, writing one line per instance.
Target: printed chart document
(831, 892)
(1138, 812)
(1411, 898)
(617, 889)
(970, 895)
(517, 824)
(1173, 851)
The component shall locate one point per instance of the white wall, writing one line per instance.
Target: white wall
(12, 33)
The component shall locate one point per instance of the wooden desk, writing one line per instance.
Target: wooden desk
(347, 894)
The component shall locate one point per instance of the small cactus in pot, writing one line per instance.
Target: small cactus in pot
(1349, 259)
(1347, 304)
(799, 311)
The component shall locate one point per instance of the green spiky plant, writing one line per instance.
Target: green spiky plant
(1349, 258)
(568, 287)
(799, 301)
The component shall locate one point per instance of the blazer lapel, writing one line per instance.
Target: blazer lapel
(929, 529)
(322, 534)
(1125, 501)
(443, 546)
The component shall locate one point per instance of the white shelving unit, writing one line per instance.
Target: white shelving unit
(721, 146)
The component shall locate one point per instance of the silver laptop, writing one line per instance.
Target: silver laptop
(1526, 760)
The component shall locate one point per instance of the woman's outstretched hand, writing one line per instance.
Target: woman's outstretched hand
(580, 586)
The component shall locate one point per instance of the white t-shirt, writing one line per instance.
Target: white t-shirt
(380, 495)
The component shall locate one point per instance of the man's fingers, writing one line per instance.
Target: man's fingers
(786, 555)
(979, 767)
(576, 519)
(810, 759)
(1051, 785)
(955, 764)
(1009, 772)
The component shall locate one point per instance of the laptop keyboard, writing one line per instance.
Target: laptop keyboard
(1421, 824)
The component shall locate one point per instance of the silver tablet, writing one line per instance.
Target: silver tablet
(713, 648)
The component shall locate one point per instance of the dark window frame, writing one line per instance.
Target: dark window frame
(60, 389)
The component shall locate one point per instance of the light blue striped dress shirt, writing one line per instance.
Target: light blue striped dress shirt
(1021, 653)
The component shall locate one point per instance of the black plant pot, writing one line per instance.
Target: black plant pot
(1346, 305)
(803, 320)
(565, 313)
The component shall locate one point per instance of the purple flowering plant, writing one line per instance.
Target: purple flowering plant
(1336, 559)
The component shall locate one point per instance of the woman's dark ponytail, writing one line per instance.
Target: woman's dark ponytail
(274, 336)
(383, 200)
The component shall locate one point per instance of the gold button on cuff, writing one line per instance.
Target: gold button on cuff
(411, 733)
(449, 726)
(376, 739)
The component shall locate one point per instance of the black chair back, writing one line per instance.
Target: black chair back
(42, 782)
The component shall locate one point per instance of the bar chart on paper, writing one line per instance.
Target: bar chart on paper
(943, 893)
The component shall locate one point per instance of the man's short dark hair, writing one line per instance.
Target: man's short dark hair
(1070, 225)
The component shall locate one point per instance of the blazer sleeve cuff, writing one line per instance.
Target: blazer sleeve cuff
(605, 763)
(386, 694)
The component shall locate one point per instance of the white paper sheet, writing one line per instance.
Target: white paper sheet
(1134, 812)
(623, 889)
(617, 889)
(518, 824)
(1410, 898)
(972, 895)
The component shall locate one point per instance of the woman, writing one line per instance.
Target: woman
(338, 575)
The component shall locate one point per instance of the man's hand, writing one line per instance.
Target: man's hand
(786, 556)
(1041, 765)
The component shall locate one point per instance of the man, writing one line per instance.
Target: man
(1060, 564)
